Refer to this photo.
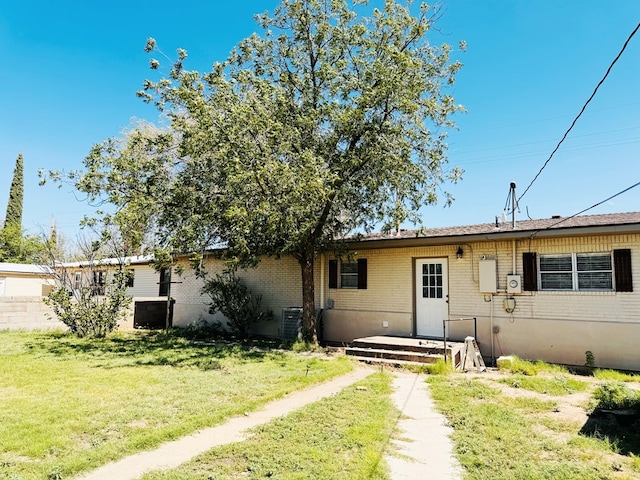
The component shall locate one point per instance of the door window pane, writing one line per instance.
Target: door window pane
(432, 280)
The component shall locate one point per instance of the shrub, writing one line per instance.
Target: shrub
(231, 297)
(302, 346)
(590, 360)
(517, 365)
(615, 396)
(617, 375)
(89, 313)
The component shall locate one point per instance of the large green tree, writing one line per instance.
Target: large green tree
(18, 247)
(333, 120)
(15, 245)
(16, 195)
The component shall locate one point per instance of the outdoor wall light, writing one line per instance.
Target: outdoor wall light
(459, 253)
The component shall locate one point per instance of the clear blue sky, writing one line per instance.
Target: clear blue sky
(70, 71)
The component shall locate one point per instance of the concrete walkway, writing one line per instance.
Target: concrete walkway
(170, 455)
(424, 448)
(422, 437)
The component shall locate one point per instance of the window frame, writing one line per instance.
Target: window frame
(348, 275)
(575, 274)
(77, 280)
(165, 282)
(433, 280)
(131, 275)
(337, 274)
(99, 282)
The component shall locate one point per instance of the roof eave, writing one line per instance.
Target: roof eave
(495, 236)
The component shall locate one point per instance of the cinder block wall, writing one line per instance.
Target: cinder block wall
(26, 313)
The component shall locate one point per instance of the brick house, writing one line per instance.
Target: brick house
(549, 289)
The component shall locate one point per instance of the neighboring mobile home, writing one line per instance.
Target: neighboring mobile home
(22, 287)
(147, 286)
(24, 280)
(550, 289)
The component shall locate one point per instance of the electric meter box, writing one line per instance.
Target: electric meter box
(514, 284)
(487, 269)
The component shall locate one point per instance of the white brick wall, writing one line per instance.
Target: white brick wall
(277, 280)
(145, 282)
(26, 313)
(551, 326)
(554, 326)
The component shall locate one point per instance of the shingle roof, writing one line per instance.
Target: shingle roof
(530, 227)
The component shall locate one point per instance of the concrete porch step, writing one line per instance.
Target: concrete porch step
(403, 349)
(387, 354)
(389, 362)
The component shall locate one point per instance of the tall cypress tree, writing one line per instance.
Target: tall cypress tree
(16, 194)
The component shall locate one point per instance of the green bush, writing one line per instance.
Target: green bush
(617, 375)
(302, 346)
(88, 312)
(615, 396)
(231, 297)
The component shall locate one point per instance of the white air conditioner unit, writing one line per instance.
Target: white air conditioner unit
(514, 284)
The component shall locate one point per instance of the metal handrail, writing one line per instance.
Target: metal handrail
(462, 319)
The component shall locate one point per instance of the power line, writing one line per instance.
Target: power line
(472, 150)
(581, 111)
(591, 207)
(486, 158)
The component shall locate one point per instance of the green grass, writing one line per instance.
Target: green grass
(69, 405)
(556, 385)
(615, 375)
(439, 367)
(497, 436)
(341, 437)
(517, 365)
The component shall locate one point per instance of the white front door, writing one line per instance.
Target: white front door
(432, 296)
(2, 282)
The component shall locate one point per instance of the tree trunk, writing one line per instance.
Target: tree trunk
(308, 299)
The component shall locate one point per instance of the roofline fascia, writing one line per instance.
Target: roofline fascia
(495, 236)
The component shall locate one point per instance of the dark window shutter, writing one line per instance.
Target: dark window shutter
(362, 273)
(530, 271)
(333, 274)
(622, 266)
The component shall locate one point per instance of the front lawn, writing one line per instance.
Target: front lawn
(340, 437)
(536, 426)
(69, 405)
